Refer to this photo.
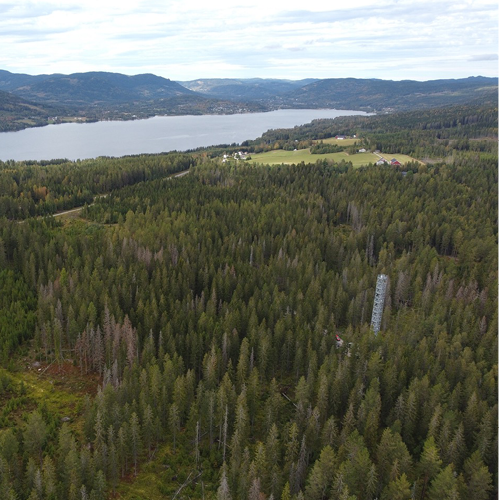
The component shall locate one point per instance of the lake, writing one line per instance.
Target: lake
(154, 135)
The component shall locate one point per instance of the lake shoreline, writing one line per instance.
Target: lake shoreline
(84, 121)
(157, 134)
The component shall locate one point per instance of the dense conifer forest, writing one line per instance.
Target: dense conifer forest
(207, 308)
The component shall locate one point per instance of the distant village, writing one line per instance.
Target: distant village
(240, 155)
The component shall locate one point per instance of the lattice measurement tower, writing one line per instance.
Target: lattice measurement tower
(378, 302)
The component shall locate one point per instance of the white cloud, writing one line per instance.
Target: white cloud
(184, 40)
(484, 57)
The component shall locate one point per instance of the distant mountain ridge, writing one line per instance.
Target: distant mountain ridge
(81, 89)
(374, 95)
(114, 96)
(379, 95)
(10, 81)
(246, 88)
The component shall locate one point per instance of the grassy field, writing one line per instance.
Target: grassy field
(280, 156)
(342, 142)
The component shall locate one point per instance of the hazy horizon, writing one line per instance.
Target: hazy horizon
(243, 78)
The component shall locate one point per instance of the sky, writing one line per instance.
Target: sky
(186, 40)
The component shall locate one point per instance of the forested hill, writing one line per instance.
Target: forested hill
(207, 307)
(112, 96)
(245, 88)
(107, 96)
(432, 134)
(380, 95)
(90, 88)
(17, 113)
(351, 93)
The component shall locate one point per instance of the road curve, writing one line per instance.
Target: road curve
(79, 209)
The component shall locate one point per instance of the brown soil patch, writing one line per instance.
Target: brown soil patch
(68, 377)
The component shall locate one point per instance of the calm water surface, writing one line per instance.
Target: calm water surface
(154, 135)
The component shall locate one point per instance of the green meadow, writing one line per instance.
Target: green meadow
(339, 142)
(279, 156)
